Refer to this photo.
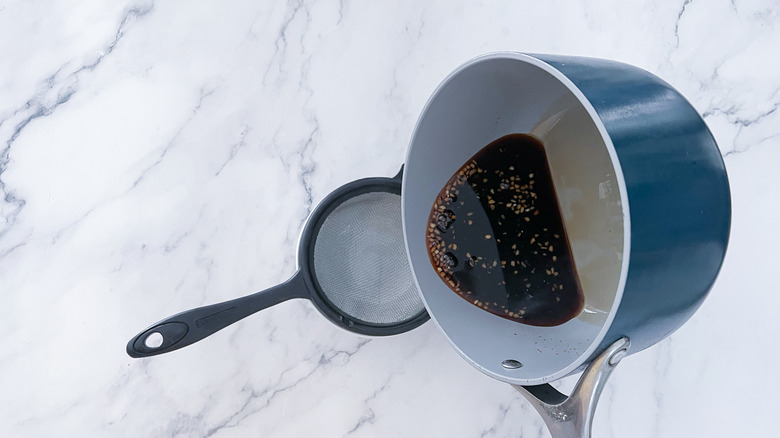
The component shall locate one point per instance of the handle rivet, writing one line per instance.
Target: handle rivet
(618, 356)
(511, 364)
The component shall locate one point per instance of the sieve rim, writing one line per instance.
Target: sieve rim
(306, 260)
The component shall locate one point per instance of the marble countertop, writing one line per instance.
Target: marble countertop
(158, 156)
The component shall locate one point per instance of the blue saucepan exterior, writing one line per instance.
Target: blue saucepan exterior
(678, 195)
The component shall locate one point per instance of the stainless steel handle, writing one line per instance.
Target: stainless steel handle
(572, 416)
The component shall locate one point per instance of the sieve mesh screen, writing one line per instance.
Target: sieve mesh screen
(360, 260)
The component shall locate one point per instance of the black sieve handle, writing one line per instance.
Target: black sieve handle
(398, 176)
(193, 325)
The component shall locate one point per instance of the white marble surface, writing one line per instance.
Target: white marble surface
(156, 156)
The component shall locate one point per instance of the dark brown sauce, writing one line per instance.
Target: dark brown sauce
(496, 236)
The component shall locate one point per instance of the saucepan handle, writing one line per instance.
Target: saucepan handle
(191, 326)
(572, 416)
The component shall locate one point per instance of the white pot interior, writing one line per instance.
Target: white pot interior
(485, 99)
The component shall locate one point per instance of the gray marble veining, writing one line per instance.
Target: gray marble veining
(157, 156)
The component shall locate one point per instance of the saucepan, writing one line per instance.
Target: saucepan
(644, 198)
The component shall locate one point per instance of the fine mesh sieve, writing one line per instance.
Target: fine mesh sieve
(360, 260)
(352, 266)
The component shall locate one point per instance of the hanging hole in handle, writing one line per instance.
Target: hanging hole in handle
(153, 340)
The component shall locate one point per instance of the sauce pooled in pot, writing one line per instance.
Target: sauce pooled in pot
(496, 236)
